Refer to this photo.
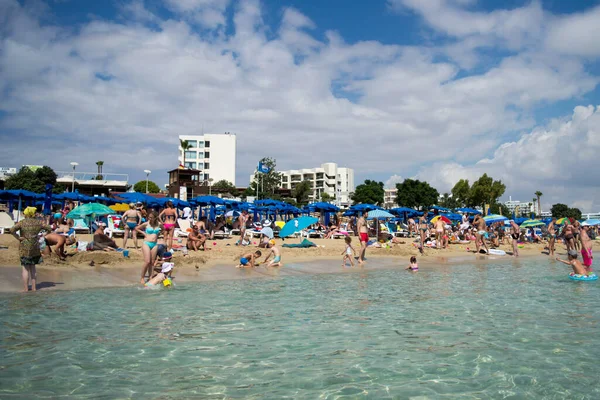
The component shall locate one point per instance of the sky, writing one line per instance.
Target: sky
(436, 90)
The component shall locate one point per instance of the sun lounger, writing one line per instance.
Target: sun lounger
(6, 222)
(80, 226)
(224, 234)
(113, 226)
(314, 234)
(182, 230)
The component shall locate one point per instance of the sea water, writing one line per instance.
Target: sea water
(503, 329)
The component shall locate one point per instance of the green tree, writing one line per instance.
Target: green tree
(539, 194)
(486, 190)
(266, 183)
(448, 201)
(185, 146)
(27, 179)
(301, 191)
(99, 164)
(140, 187)
(369, 192)
(414, 193)
(560, 210)
(461, 193)
(224, 186)
(327, 197)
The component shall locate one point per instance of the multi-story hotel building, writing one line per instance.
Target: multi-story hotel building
(337, 182)
(212, 154)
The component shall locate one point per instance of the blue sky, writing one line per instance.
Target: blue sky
(433, 89)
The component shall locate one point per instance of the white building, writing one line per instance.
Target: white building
(389, 198)
(5, 172)
(213, 154)
(337, 182)
(520, 209)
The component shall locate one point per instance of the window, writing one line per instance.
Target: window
(206, 154)
(200, 144)
(191, 165)
(284, 178)
(193, 143)
(190, 155)
(206, 177)
(207, 144)
(206, 166)
(200, 165)
(200, 155)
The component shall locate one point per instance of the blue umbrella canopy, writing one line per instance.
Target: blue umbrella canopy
(296, 225)
(591, 222)
(401, 210)
(490, 219)
(440, 209)
(90, 209)
(468, 210)
(23, 194)
(207, 201)
(379, 214)
(322, 206)
(134, 197)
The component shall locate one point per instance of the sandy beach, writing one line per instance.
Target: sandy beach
(101, 269)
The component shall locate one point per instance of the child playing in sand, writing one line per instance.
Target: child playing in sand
(248, 260)
(349, 253)
(578, 268)
(413, 264)
(276, 253)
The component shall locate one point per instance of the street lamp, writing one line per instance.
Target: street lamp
(73, 164)
(209, 180)
(148, 172)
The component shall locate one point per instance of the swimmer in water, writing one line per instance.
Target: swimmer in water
(578, 268)
(414, 266)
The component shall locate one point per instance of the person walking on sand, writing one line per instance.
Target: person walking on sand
(423, 226)
(349, 252)
(440, 227)
(131, 219)
(168, 218)
(515, 233)
(242, 221)
(551, 236)
(479, 223)
(363, 233)
(29, 245)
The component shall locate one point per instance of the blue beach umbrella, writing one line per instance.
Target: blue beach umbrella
(90, 209)
(296, 225)
(591, 222)
(468, 210)
(492, 218)
(379, 214)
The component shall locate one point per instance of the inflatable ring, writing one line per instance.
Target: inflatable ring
(590, 277)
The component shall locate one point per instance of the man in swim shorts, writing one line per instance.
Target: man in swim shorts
(578, 268)
(479, 224)
(551, 237)
(363, 233)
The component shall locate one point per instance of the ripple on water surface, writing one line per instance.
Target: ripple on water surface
(519, 329)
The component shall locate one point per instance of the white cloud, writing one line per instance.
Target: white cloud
(123, 91)
(392, 180)
(576, 34)
(557, 159)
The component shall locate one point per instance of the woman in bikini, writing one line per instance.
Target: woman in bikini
(168, 217)
(423, 229)
(150, 230)
(131, 219)
(515, 232)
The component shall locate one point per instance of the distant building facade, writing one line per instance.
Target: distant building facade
(337, 182)
(521, 209)
(214, 155)
(389, 198)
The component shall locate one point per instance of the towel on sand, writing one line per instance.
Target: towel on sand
(303, 244)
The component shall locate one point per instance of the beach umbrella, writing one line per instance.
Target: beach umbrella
(439, 209)
(89, 209)
(564, 220)
(531, 223)
(490, 219)
(296, 225)
(378, 214)
(443, 218)
(121, 207)
(468, 210)
(591, 222)
(267, 231)
(232, 213)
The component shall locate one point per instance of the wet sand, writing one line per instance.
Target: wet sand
(101, 269)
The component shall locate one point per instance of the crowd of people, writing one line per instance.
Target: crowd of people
(149, 224)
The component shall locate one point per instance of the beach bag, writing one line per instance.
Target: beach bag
(82, 246)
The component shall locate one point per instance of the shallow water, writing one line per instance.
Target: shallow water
(511, 329)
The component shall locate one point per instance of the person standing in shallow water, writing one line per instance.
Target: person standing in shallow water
(363, 233)
(479, 223)
(29, 245)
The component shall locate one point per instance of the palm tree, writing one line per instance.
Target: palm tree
(539, 194)
(99, 164)
(185, 145)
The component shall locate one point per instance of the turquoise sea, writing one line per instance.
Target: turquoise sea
(504, 329)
